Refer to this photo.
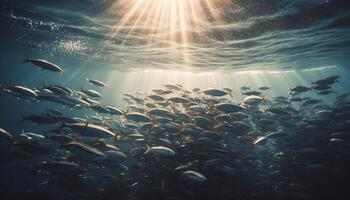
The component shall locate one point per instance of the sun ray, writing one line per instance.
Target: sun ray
(172, 26)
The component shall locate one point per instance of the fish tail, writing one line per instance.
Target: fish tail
(253, 145)
(27, 59)
(87, 79)
(231, 95)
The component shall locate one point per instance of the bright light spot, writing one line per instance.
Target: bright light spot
(174, 21)
(169, 25)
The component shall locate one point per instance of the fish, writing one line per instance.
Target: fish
(159, 112)
(325, 92)
(44, 65)
(321, 87)
(61, 168)
(114, 155)
(326, 81)
(251, 93)
(160, 151)
(177, 142)
(178, 100)
(40, 119)
(57, 90)
(83, 151)
(115, 111)
(245, 88)
(96, 82)
(216, 92)
(278, 111)
(156, 97)
(89, 129)
(172, 86)
(264, 88)
(6, 141)
(229, 107)
(91, 93)
(253, 100)
(23, 91)
(299, 89)
(137, 117)
(193, 177)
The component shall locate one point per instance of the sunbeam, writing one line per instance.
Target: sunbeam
(174, 24)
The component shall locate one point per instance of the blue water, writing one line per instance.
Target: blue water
(275, 43)
(254, 34)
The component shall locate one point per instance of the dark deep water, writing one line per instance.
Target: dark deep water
(184, 148)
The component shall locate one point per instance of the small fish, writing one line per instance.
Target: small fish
(244, 88)
(264, 88)
(159, 112)
(229, 107)
(56, 90)
(96, 82)
(173, 87)
(160, 151)
(137, 117)
(326, 81)
(91, 93)
(40, 119)
(253, 100)
(89, 129)
(156, 97)
(23, 91)
(216, 92)
(251, 93)
(193, 176)
(83, 150)
(321, 87)
(6, 141)
(178, 100)
(45, 65)
(299, 89)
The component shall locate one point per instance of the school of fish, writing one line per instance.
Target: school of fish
(178, 143)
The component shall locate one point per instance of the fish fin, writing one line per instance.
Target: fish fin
(254, 145)
(87, 124)
(147, 148)
(231, 95)
(264, 98)
(62, 72)
(27, 59)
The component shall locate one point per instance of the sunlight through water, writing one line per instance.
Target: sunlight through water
(173, 24)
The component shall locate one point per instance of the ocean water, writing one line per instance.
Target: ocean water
(137, 46)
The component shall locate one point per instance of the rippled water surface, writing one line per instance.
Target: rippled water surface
(238, 34)
(174, 99)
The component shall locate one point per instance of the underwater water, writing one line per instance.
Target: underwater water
(174, 99)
